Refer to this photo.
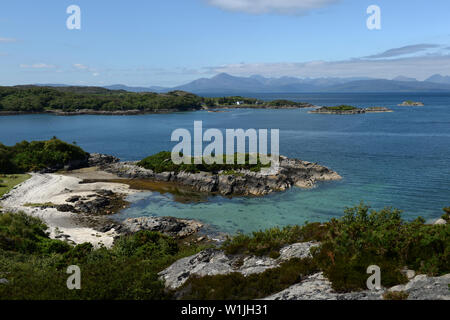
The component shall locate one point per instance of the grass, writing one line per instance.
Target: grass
(396, 295)
(9, 181)
(341, 108)
(40, 205)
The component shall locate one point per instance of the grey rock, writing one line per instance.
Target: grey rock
(174, 227)
(440, 222)
(208, 262)
(318, 287)
(4, 281)
(422, 287)
(101, 160)
(214, 262)
(289, 173)
(297, 250)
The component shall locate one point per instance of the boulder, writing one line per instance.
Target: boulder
(174, 227)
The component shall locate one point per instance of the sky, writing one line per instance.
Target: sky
(172, 42)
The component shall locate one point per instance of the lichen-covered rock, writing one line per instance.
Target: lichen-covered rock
(171, 226)
(215, 262)
(297, 250)
(208, 262)
(290, 172)
(422, 287)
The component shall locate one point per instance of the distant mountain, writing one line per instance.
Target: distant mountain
(402, 78)
(437, 78)
(225, 84)
(137, 89)
(387, 86)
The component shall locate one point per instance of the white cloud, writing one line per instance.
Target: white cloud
(406, 50)
(80, 66)
(269, 6)
(6, 40)
(416, 67)
(37, 66)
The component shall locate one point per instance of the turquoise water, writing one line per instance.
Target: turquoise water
(398, 159)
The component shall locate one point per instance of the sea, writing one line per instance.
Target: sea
(399, 159)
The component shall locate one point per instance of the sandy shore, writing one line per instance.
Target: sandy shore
(56, 189)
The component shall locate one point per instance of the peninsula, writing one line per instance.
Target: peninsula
(66, 101)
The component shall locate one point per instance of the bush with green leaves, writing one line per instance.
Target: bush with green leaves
(36, 155)
(162, 162)
(363, 237)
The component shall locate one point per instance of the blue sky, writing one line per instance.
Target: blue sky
(171, 42)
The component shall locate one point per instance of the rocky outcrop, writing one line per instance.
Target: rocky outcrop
(422, 287)
(291, 172)
(178, 228)
(317, 287)
(216, 262)
(101, 160)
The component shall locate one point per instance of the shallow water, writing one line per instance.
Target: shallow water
(398, 159)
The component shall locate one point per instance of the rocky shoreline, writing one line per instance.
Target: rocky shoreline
(325, 110)
(291, 172)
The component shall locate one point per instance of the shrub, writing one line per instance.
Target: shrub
(33, 156)
(270, 241)
(162, 162)
(362, 238)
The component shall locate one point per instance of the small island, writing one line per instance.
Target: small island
(346, 110)
(410, 103)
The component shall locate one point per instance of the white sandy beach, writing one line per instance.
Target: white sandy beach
(56, 188)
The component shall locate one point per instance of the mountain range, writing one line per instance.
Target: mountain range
(224, 83)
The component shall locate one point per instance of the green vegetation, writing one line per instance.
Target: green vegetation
(284, 103)
(162, 162)
(395, 295)
(37, 155)
(446, 215)
(69, 99)
(35, 265)
(40, 205)
(9, 181)
(341, 108)
(270, 241)
(363, 237)
(228, 101)
(357, 240)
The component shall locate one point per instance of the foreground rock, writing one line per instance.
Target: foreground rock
(317, 287)
(178, 228)
(291, 172)
(215, 262)
(422, 287)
